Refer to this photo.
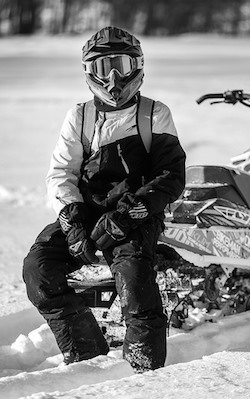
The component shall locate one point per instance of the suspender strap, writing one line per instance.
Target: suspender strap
(144, 121)
(88, 125)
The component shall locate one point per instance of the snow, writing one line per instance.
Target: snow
(220, 375)
(211, 361)
(31, 364)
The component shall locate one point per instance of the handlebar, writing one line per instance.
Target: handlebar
(229, 97)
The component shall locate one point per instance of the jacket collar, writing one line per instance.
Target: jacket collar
(102, 107)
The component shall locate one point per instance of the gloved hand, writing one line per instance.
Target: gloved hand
(111, 228)
(73, 224)
(114, 226)
(134, 207)
(81, 247)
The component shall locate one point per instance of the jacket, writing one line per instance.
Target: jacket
(118, 161)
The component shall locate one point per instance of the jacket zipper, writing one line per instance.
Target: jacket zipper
(122, 159)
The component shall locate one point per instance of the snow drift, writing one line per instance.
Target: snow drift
(30, 361)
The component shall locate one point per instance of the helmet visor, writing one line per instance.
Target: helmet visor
(122, 63)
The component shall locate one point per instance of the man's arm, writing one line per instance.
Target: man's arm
(167, 175)
(66, 161)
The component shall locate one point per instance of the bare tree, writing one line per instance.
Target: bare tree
(147, 17)
(24, 15)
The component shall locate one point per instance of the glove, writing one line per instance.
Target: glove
(111, 228)
(134, 207)
(73, 224)
(81, 247)
(114, 226)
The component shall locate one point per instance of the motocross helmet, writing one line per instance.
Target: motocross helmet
(113, 64)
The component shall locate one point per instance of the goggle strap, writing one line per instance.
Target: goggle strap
(87, 66)
(140, 62)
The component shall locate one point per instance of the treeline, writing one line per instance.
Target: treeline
(148, 17)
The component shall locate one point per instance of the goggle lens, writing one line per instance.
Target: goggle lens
(123, 64)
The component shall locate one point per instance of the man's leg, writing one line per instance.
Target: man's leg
(145, 341)
(77, 333)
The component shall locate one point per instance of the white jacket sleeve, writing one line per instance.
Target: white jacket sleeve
(66, 161)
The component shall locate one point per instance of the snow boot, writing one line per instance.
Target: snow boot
(79, 336)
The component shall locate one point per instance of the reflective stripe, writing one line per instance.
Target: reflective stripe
(122, 159)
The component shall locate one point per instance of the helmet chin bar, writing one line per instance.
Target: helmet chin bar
(127, 91)
(115, 93)
(114, 82)
(114, 86)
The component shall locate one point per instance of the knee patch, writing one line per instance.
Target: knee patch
(130, 249)
(135, 280)
(130, 263)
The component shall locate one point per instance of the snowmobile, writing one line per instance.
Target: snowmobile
(203, 255)
(208, 237)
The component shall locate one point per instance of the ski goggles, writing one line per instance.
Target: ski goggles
(124, 64)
